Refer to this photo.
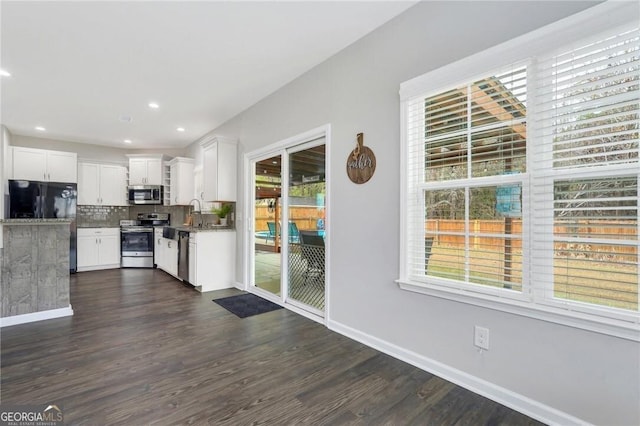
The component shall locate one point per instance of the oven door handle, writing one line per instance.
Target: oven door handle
(135, 231)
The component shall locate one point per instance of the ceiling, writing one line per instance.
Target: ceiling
(86, 71)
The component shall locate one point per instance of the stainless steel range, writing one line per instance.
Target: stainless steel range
(136, 239)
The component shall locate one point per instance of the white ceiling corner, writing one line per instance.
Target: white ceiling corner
(77, 67)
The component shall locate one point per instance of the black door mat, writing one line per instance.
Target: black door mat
(246, 305)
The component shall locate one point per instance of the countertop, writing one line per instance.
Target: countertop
(205, 229)
(35, 221)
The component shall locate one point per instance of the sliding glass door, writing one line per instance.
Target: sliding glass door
(306, 191)
(267, 259)
(288, 214)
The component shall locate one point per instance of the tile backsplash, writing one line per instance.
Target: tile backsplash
(110, 216)
(101, 216)
(178, 213)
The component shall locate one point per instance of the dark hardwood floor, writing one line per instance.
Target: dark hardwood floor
(144, 349)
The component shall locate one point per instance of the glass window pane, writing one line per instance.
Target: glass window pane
(586, 269)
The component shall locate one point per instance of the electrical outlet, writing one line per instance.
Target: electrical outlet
(481, 337)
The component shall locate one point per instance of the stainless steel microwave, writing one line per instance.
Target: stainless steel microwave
(145, 194)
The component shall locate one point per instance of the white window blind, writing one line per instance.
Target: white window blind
(467, 159)
(586, 159)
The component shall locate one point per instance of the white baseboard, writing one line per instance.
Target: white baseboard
(98, 267)
(515, 401)
(36, 316)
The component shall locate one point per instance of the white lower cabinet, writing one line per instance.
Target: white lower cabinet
(171, 257)
(98, 248)
(165, 253)
(158, 252)
(192, 258)
(212, 260)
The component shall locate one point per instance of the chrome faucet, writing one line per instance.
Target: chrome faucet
(199, 211)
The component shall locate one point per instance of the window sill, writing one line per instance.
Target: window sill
(611, 327)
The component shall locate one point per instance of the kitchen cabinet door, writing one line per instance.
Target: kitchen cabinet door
(62, 166)
(88, 184)
(145, 170)
(137, 171)
(29, 164)
(109, 249)
(198, 189)
(44, 165)
(87, 251)
(181, 178)
(113, 185)
(98, 248)
(215, 260)
(158, 248)
(171, 257)
(102, 184)
(219, 164)
(154, 171)
(192, 260)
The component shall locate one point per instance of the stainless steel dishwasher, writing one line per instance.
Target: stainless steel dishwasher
(183, 255)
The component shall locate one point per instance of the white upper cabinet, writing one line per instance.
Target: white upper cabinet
(145, 169)
(219, 156)
(181, 180)
(44, 165)
(198, 189)
(102, 184)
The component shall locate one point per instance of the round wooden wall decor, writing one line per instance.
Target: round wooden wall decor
(361, 163)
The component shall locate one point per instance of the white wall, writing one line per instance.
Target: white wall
(536, 366)
(84, 151)
(90, 152)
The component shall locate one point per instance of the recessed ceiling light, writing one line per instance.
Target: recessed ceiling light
(180, 129)
(5, 73)
(153, 105)
(40, 128)
(127, 141)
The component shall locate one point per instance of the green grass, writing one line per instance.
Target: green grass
(612, 283)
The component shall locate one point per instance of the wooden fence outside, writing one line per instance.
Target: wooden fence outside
(444, 231)
(305, 217)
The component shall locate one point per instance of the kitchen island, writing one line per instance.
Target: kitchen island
(34, 272)
(205, 259)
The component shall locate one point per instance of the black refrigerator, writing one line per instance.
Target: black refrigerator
(46, 200)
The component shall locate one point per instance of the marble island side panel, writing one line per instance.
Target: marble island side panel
(34, 272)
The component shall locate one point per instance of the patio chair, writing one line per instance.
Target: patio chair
(312, 251)
(272, 232)
(294, 234)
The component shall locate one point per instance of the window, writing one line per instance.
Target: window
(521, 182)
